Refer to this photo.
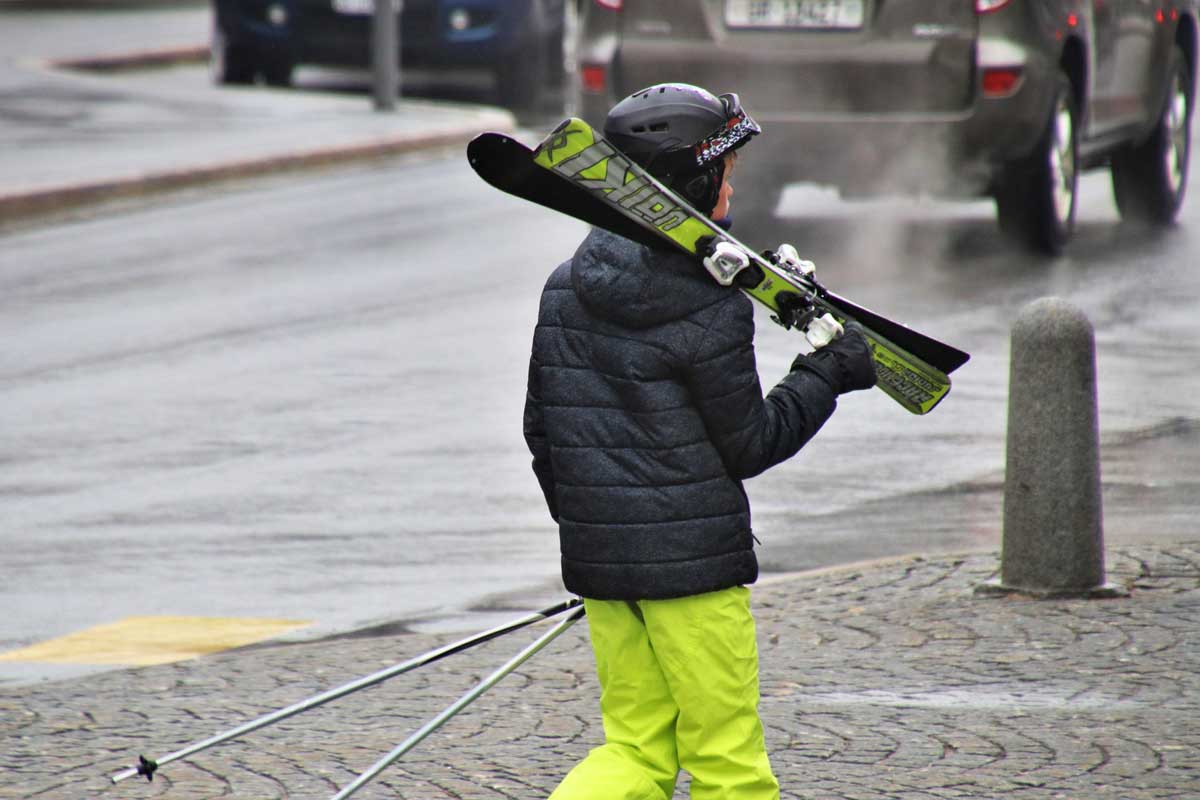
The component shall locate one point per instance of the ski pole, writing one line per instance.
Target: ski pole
(437, 722)
(148, 766)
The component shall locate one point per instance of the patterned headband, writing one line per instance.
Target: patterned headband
(738, 128)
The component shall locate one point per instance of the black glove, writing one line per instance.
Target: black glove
(845, 363)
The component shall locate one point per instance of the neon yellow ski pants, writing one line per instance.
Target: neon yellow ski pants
(678, 689)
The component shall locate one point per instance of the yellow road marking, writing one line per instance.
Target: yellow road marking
(142, 641)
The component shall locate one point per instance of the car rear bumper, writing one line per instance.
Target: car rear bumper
(886, 131)
(950, 153)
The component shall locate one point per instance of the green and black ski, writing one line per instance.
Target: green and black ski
(576, 172)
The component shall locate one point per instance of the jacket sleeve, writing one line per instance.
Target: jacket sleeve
(535, 438)
(752, 432)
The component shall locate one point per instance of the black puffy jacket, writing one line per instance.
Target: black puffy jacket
(644, 414)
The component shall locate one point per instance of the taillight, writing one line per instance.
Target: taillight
(982, 6)
(1001, 81)
(613, 5)
(593, 77)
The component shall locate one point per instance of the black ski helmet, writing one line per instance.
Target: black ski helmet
(679, 132)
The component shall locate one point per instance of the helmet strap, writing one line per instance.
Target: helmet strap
(703, 190)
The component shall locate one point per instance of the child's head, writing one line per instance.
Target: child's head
(685, 136)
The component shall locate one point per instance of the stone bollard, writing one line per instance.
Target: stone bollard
(1053, 542)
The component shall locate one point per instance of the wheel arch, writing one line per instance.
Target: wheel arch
(1074, 63)
(1185, 37)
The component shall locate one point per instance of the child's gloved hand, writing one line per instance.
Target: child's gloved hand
(845, 363)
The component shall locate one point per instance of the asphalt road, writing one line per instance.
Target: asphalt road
(294, 399)
(925, 484)
(301, 397)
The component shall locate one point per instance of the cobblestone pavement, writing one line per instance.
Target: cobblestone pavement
(892, 680)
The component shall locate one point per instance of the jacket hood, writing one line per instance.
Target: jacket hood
(638, 286)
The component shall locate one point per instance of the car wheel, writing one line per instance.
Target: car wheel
(556, 64)
(1036, 198)
(277, 72)
(522, 80)
(228, 64)
(526, 78)
(1149, 178)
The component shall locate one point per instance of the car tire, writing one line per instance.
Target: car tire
(277, 72)
(522, 79)
(556, 60)
(1036, 198)
(228, 64)
(528, 78)
(1149, 178)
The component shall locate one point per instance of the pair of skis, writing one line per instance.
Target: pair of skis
(577, 172)
(147, 767)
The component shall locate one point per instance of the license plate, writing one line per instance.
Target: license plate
(810, 14)
(360, 7)
(354, 6)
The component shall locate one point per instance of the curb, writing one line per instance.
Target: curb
(55, 199)
(77, 5)
(62, 198)
(141, 59)
(883, 562)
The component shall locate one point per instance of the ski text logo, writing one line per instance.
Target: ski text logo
(905, 381)
(621, 184)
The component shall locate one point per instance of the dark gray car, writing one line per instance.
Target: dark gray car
(970, 98)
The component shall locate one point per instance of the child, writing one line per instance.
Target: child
(644, 414)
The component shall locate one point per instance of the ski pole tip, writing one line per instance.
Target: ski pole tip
(145, 766)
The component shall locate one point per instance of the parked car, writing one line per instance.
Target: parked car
(957, 98)
(520, 42)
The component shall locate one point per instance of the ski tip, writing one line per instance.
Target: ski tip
(954, 359)
(483, 140)
(487, 150)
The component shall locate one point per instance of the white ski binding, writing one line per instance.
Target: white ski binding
(725, 261)
(787, 257)
(823, 330)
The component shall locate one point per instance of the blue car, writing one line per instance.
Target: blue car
(520, 42)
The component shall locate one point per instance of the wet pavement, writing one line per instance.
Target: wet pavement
(70, 134)
(886, 680)
(80, 138)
